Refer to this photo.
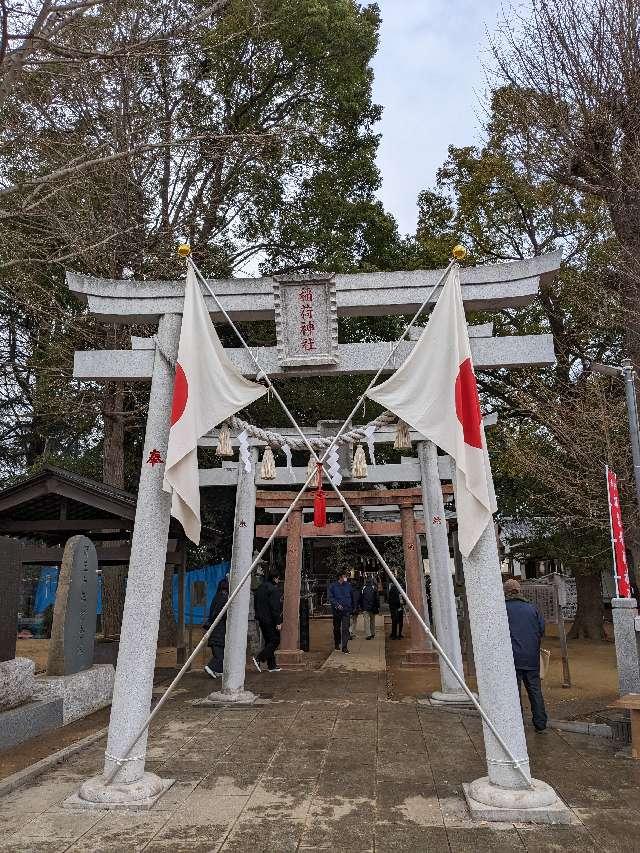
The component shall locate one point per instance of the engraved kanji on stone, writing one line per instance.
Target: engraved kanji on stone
(305, 295)
(308, 344)
(154, 458)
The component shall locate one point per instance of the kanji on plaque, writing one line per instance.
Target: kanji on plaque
(620, 566)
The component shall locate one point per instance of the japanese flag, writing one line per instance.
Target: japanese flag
(207, 390)
(435, 392)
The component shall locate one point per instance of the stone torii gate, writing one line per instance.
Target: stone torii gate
(307, 345)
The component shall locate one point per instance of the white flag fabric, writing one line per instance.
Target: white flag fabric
(435, 392)
(207, 390)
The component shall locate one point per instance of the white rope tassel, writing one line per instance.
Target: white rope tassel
(359, 467)
(268, 465)
(403, 438)
(224, 448)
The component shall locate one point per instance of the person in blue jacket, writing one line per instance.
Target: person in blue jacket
(341, 601)
(526, 627)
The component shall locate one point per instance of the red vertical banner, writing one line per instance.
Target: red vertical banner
(620, 567)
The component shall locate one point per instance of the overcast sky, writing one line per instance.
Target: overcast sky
(429, 81)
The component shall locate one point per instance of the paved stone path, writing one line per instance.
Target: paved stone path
(364, 655)
(330, 765)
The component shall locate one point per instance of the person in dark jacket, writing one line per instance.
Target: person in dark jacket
(396, 610)
(526, 627)
(216, 639)
(267, 604)
(370, 603)
(341, 601)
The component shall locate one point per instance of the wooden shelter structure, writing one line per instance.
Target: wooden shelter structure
(43, 510)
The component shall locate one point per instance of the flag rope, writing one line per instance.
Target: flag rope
(514, 762)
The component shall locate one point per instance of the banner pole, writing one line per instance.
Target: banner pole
(613, 544)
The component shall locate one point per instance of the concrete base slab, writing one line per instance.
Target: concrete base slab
(539, 804)
(420, 658)
(291, 659)
(82, 693)
(138, 796)
(29, 720)
(438, 697)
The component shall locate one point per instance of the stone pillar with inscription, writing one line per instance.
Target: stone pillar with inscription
(71, 674)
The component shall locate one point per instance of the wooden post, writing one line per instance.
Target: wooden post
(421, 651)
(180, 646)
(10, 578)
(289, 654)
(562, 635)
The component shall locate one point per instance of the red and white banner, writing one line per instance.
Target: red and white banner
(620, 567)
(208, 389)
(435, 392)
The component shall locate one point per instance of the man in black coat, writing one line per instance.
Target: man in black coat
(396, 609)
(216, 639)
(526, 627)
(267, 604)
(370, 603)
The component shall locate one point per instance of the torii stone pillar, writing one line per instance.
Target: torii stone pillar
(138, 638)
(503, 793)
(290, 654)
(443, 599)
(235, 644)
(421, 650)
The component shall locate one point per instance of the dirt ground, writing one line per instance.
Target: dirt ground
(592, 666)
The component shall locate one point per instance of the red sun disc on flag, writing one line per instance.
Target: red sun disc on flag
(180, 394)
(468, 404)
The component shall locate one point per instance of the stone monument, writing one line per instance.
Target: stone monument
(71, 674)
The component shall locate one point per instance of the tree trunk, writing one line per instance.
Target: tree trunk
(114, 585)
(167, 631)
(589, 615)
(113, 446)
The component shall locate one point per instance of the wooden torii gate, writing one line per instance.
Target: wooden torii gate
(299, 352)
(295, 530)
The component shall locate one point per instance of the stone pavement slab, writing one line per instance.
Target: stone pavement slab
(321, 770)
(364, 655)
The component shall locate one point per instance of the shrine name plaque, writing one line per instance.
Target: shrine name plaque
(306, 320)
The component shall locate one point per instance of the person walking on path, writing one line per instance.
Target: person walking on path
(216, 640)
(370, 603)
(267, 604)
(357, 607)
(396, 609)
(526, 627)
(341, 601)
